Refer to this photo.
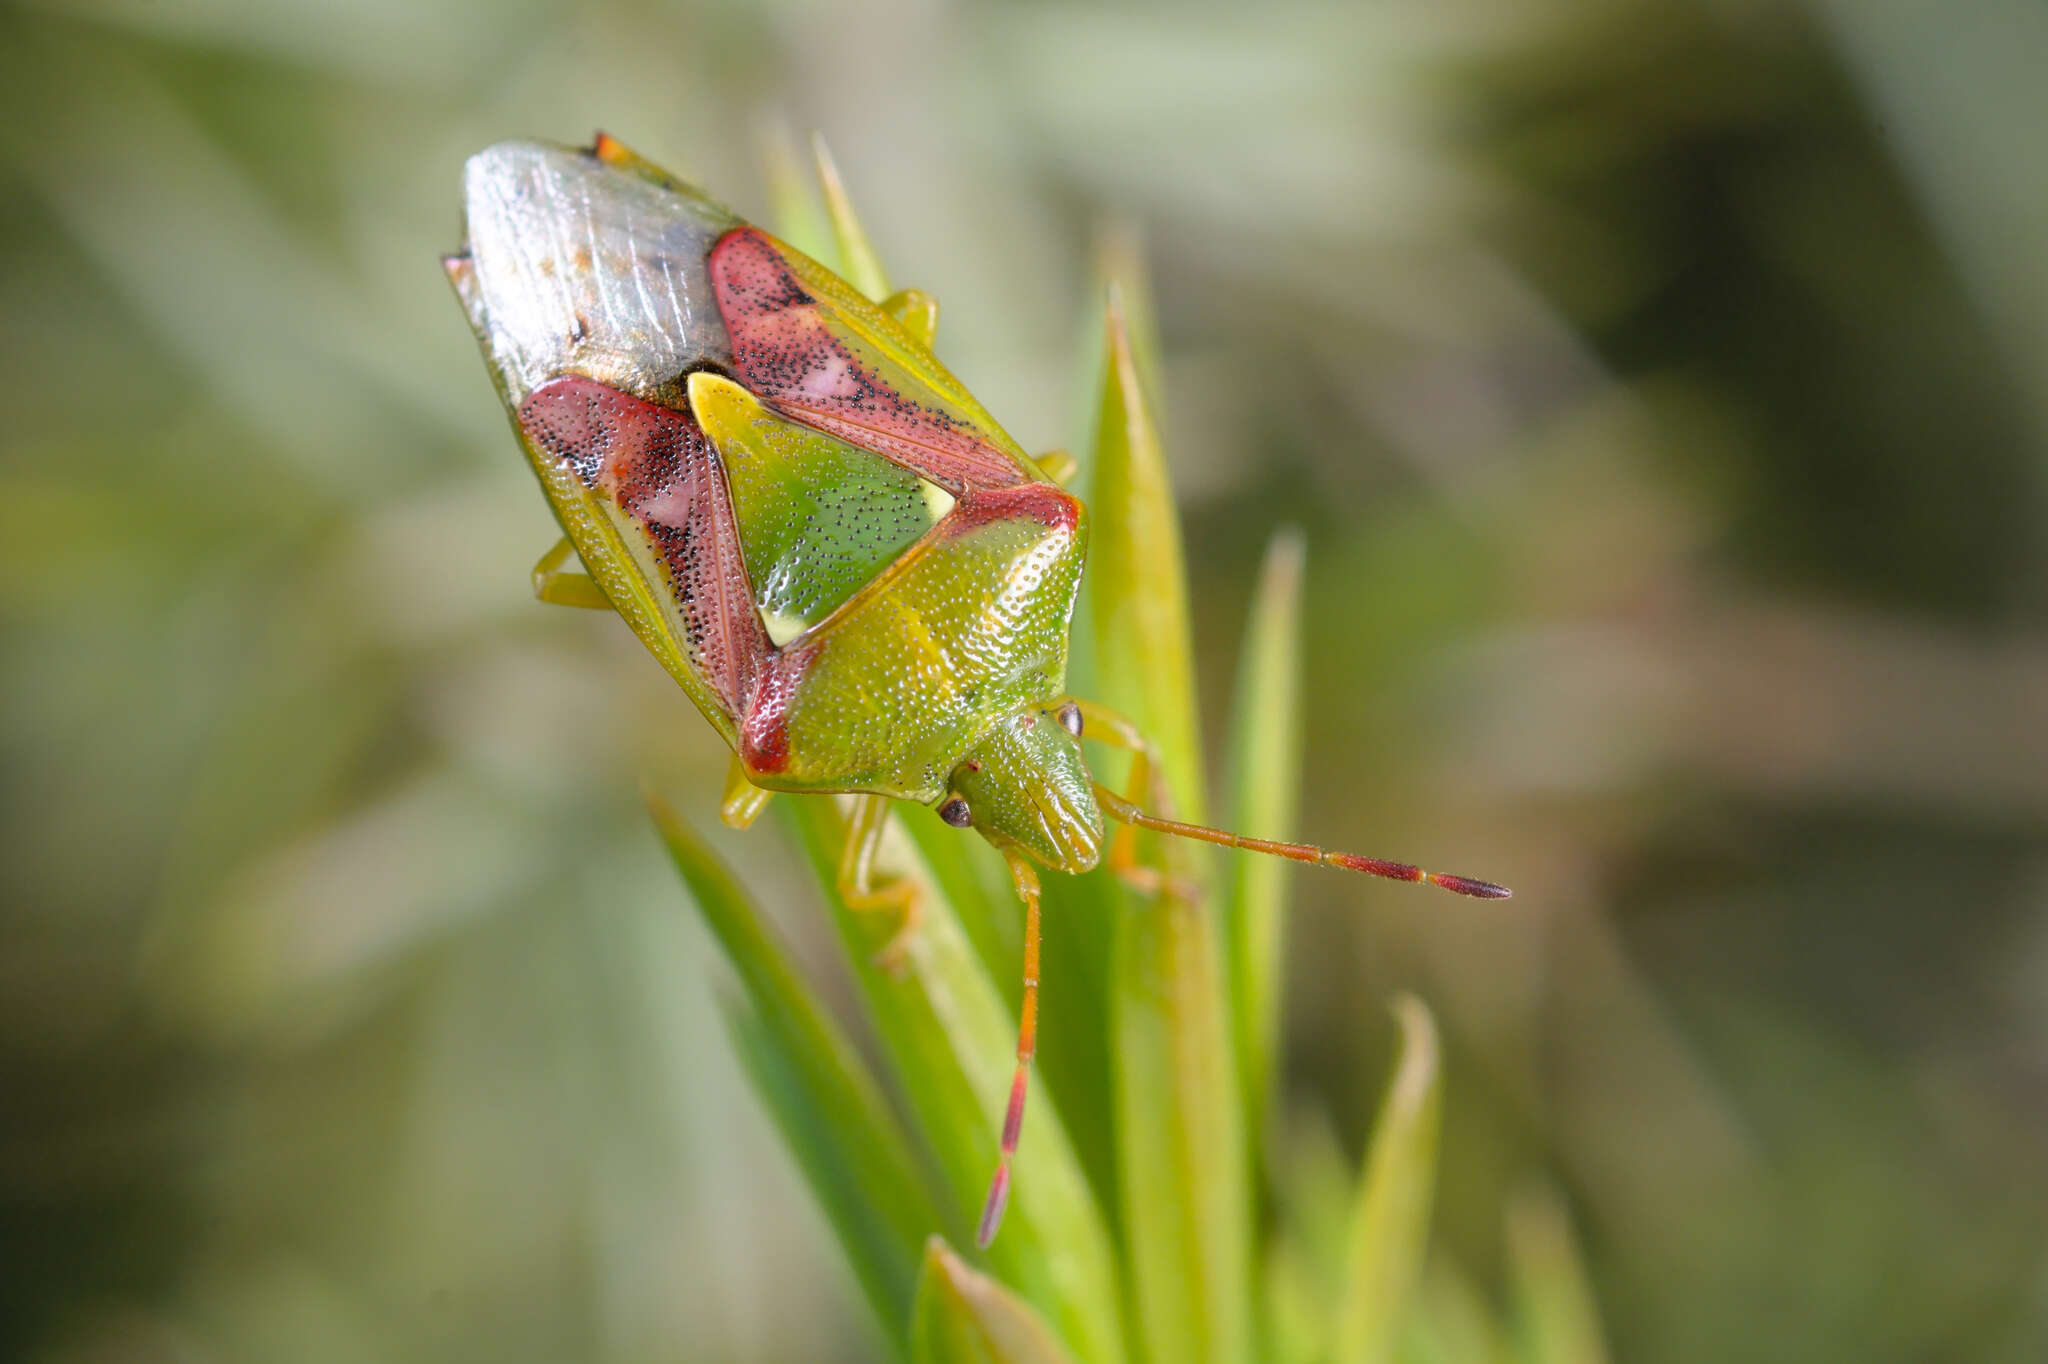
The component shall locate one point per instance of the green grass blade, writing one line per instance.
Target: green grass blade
(1556, 1318)
(1182, 1173)
(794, 213)
(1120, 265)
(1266, 771)
(1452, 1323)
(1295, 1319)
(832, 1111)
(1390, 1226)
(962, 1317)
(1179, 1136)
(821, 1144)
(952, 1040)
(859, 264)
(1144, 658)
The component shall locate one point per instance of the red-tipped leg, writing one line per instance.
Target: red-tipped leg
(1117, 808)
(992, 1210)
(1027, 1042)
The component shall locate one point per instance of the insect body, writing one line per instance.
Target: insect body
(855, 574)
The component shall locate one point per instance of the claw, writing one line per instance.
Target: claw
(894, 956)
(892, 959)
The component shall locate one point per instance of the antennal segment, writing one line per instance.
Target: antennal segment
(1117, 808)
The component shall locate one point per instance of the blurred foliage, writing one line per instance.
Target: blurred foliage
(1662, 388)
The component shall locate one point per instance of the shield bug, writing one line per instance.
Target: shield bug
(855, 574)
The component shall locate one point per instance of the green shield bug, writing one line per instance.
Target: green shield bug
(855, 574)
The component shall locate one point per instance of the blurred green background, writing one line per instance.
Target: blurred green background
(1663, 387)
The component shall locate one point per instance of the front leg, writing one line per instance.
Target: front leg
(743, 801)
(857, 885)
(1147, 784)
(1057, 465)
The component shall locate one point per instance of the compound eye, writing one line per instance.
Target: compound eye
(1069, 717)
(956, 813)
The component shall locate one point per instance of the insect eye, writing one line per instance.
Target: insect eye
(1069, 717)
(956, 813)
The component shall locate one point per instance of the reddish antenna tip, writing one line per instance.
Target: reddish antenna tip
(992, 1211)
(1465, 885)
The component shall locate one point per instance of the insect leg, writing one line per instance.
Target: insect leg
(559, 586)
(856, 879)
(1057, 465)
(1147, 785)
(1026, 881)
(743, 801)
(1105, 726)
(918, 311)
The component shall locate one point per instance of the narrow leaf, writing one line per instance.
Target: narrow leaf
(1182, 1173)
(1120, 264)
(1266, 767)
(1390, 1226)
(952, 1040)
(793, 208)
(821, 1143)
(859, 265)
(962, 1317)
(831, 1110)
(1315, 1185)
(1557, 1320)
(1179, 1136)
(1453, 1323)
(1144, 659)
(1296, 1317)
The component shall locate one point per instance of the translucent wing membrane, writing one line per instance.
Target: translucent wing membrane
(818, 518)
(582, 265)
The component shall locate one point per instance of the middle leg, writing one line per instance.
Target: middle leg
(858, 887)
(1146, 785)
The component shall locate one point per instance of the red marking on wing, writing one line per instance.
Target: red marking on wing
(784, 351)
(659, 468)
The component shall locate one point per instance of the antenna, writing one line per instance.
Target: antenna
(1117, 808)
